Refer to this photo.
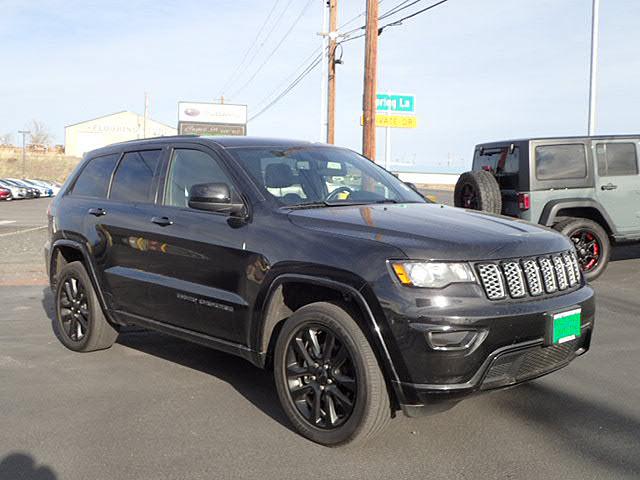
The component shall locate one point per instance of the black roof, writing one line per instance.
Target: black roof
(224, 142)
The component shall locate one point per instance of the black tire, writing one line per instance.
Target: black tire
(592, 244)
(367, 393)
(80, 324)
(478, 190)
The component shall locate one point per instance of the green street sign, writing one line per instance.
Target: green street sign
(391, 102)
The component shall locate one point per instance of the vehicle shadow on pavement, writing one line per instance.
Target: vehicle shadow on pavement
(594, 430)
(23, 466)
(253, 383)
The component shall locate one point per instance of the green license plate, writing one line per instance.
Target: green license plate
(566, 326)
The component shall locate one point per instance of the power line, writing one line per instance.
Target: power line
(253, 43)
(398, 8)
(290, 77)
(273, 52)
(316, 61)
(392, 23)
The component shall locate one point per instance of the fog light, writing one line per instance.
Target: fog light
(455, 340)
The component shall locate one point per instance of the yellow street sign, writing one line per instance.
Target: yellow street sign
(394, 121)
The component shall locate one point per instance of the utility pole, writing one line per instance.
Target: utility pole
(370, 71)
(24, 151)
(325, 71)
(331, 105)
(595, 20)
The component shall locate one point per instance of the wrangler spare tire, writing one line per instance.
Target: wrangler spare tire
(478, 190)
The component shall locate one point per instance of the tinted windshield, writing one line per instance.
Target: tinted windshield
(316, 174)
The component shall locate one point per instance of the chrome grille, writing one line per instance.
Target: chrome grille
(534, 280)
(517, 278)
(492, 281)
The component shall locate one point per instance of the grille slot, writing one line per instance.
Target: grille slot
(514, 278)
(492, 281)
(534, 280)
(561, 273)
(518, 278)
(548, 275)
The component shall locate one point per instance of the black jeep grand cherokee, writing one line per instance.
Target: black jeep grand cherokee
(363, 297)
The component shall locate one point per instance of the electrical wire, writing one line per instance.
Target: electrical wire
(316, 61)
(253, 44)
(274, 51)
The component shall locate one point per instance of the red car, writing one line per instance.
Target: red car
(5, 194)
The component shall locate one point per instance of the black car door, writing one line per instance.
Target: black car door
(196, 262)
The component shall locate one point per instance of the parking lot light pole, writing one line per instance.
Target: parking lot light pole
(24, 151)
(595, 20)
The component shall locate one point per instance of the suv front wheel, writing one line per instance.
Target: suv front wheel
(591, 243)
(327, 377)
(80, 324)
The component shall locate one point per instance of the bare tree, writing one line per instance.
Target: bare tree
(40, 134)
(6, 139)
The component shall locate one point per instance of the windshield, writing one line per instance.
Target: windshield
(317, 175)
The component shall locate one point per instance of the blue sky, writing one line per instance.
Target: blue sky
(481, 70)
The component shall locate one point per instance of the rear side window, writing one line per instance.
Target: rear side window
(133, 181)
(497, 160)
(188, 168)
(616, 159)
(559, 162)
(94, 178)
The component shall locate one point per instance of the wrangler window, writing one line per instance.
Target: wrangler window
(616, 159)
(560, 162)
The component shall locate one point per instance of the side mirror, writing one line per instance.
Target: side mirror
(213, 197)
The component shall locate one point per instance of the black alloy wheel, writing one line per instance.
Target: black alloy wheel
(591, 242)
(588, 249)
(321, 377)
(80, 323)
(469, 197)
(74, 309)
(327, 376)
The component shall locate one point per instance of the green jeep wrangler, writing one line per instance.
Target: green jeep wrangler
(585, 187)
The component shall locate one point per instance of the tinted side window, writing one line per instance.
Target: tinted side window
(133, 181)
(616, 159)
(497, 160)
(557, 162)
(94, 178)
(188, 168)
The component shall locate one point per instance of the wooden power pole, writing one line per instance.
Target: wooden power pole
(331, 100)
(370, 74)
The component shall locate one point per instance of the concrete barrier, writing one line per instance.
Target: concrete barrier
(434, 181)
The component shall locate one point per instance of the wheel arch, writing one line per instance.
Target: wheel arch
(64, 251)
(555, 210)
(276, 309)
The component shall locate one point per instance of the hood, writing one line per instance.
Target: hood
(433, 231)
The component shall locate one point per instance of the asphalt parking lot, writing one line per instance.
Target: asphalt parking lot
(154, 407)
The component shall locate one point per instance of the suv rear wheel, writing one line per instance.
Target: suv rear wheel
(591, 243)
(478, 190)
(80, 323)
(327, 377)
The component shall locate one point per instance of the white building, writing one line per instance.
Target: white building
(82, 137)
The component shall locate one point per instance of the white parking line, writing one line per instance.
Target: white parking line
(22, 231)
(6, 222)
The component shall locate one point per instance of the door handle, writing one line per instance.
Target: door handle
(97, 212)
(162, 221)
(608, 186)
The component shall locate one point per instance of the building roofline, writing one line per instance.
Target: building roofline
(116, 113)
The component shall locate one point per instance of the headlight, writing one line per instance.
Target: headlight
(432, 274)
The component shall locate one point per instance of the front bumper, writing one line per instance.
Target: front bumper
(514, 349)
